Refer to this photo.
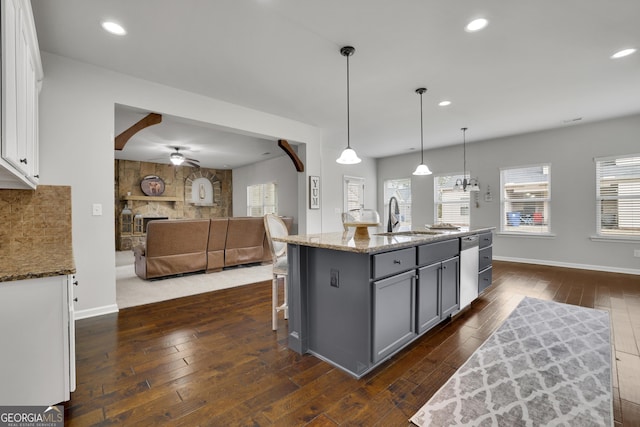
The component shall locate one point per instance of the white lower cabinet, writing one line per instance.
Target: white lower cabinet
(38, 341)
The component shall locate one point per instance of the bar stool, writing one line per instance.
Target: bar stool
(275, 227)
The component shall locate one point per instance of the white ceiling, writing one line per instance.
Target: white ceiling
(538, 65)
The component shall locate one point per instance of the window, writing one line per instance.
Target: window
(262, 199)
(353, 193)
(525, 196)
(618, 196)
(401, 190)
(451, 206)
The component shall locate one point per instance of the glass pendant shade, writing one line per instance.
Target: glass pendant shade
(348, 157)
(422, 169)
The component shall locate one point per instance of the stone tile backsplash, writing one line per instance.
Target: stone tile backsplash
(33, 221)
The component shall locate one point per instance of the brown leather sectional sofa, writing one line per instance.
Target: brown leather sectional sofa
(178, 246)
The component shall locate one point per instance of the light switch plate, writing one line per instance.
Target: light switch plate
(96, 209)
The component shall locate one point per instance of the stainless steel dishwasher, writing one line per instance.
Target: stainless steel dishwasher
(469, 259)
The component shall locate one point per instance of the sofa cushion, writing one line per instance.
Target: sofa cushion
(216, 245)
(174, 247)
(245, 241)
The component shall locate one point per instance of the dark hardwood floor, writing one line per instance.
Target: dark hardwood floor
(212, 359)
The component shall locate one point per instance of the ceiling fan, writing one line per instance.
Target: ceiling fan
(177, 158)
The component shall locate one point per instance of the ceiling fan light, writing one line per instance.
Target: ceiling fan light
(176, 158)
(348, 157)
(422, 169)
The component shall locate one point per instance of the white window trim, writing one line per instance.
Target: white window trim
(617, 239)
(501, 231)
(535, 236)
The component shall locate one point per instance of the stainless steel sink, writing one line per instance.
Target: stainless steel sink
(409, 233)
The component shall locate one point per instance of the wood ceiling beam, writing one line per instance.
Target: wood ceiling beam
(149, 120)
(282, 143)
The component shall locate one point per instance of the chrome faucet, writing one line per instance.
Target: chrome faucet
(394, 219)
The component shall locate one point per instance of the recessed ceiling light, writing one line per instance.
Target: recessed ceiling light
(476, 25)
(114, 28)
(444, 103)
(622, 53)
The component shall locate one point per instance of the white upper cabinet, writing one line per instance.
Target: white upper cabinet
(21, 79)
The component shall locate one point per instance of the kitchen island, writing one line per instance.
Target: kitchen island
(354, 302)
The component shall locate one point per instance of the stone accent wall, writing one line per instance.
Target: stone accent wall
(178, 191)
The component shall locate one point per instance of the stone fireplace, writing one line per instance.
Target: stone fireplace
(189, 193)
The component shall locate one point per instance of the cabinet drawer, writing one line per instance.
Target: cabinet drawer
(393, 262)
(438, 251)
(486, 256)
(484, 280)
(486, 239)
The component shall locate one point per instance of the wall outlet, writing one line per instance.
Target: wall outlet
(96, 209)
(636, 253)
(335, 278)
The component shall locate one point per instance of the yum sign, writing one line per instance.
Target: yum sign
(314, 192)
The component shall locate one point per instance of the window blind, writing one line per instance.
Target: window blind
(262, 199)
(618, 195)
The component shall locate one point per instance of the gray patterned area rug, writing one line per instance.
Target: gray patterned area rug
(548, 364)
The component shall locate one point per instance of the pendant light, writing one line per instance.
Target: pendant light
(471, 183)
(348, 156)
(422, 169)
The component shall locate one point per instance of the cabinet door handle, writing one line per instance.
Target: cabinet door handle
(36, 176)
(23, 161)
(397, 261)
(75, 283)
(75, 299)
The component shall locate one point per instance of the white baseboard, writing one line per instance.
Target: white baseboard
(97, 311)
(569, 265)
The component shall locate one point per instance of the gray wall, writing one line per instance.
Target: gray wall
(571, 151)
(332, 180)
(279, 170)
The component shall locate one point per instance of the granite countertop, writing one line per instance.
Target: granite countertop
(346, 241)
(36, 265)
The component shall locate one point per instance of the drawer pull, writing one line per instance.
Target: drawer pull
(23, 161)
(76, 299)
(397, 261)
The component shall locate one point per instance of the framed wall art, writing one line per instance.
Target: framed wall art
(314, 192)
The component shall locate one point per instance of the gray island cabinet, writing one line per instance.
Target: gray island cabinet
(355, 302)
